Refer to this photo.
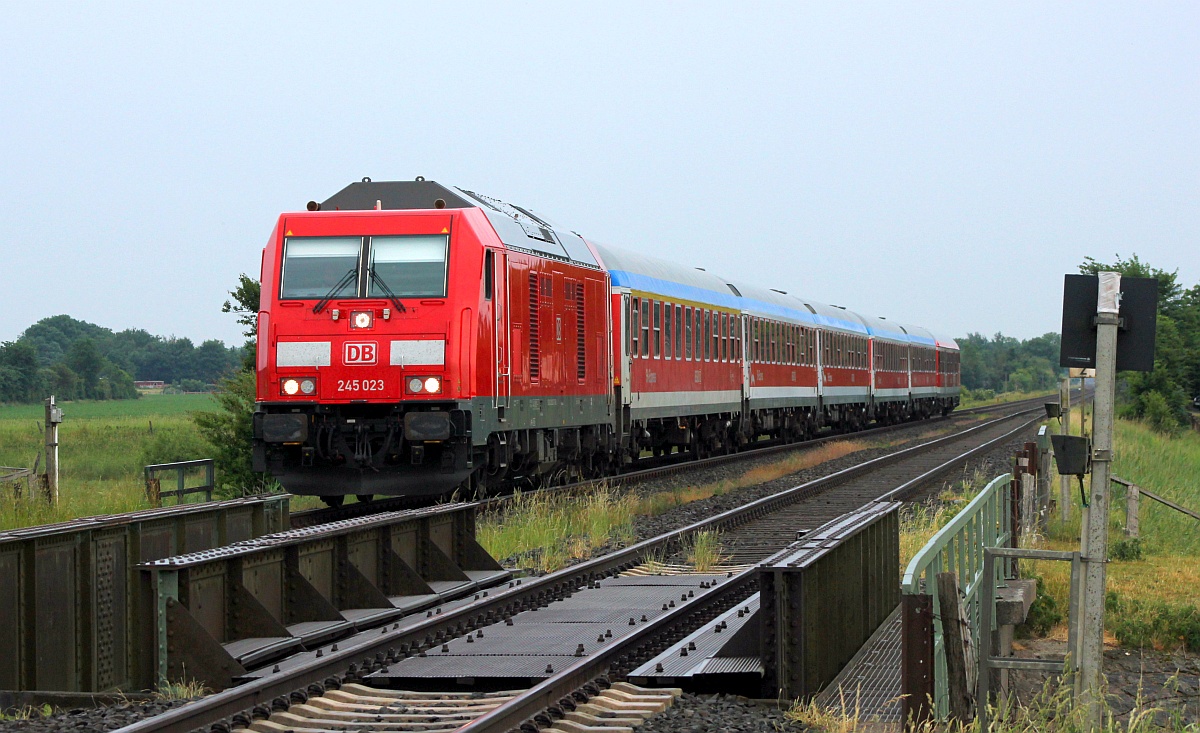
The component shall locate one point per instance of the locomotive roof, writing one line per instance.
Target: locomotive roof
(517, 228)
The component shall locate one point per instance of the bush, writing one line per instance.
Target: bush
(1125, 550)
(1160, 415)
(169, 446)
(231, 432)
(1153, 624)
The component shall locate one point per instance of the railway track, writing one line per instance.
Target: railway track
(558, 668)
(657, 468)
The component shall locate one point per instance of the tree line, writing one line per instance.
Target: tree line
(74, 359)
(1005, 364)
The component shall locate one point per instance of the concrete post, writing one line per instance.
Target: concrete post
(53, 418)
(1064, 482)
(1132, 494)
(1096, 550)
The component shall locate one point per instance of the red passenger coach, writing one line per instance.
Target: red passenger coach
(415, 338)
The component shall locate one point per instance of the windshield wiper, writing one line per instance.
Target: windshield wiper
(386, 290)
(346, 280)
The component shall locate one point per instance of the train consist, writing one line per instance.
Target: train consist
(415, 338)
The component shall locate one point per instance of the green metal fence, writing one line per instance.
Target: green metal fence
(958, 547)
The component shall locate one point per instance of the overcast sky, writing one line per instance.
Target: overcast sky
(940, 164)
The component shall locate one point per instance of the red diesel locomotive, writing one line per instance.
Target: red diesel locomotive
(415, 338)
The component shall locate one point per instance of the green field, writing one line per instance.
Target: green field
(102, 449)
(149, 406)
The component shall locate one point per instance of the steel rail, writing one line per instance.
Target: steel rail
(533, 592)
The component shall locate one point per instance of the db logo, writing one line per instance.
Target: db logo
(359, 352)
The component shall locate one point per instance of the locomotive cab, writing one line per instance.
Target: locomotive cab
(366, 334)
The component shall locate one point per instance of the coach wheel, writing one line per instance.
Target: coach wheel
(334, 501)
(364, 498)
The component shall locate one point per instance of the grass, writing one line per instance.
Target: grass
(546, 532)
(703, 550)
(968, 400)
(102, 449)
(27, 713)
(1050, 711)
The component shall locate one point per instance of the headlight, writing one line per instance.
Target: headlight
(293, 386)
(424, 385)
(362, 319)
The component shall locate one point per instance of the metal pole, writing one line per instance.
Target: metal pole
(1096, 550)
(51, 433)
(1064, 482)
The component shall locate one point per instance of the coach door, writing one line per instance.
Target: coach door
(496, 283)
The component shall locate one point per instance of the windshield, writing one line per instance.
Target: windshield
(408, 267)
(313, 266)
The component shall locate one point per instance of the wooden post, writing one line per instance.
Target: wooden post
(956, 638)
(1132, 493)
(53, 418)
(1029, 513)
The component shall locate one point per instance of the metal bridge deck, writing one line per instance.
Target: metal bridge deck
(534, 644)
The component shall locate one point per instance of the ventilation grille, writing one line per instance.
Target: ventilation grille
(535, 348)
(580, 335)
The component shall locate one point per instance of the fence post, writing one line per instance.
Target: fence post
(916, 659)
(955, 638)
(1132, 493)
(53, 418)
(1043, 478)
(154, 492)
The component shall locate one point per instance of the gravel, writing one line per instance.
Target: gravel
(1168, 683)
(89, 720)
(704, 713)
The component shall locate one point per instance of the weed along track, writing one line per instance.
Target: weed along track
(517, 651)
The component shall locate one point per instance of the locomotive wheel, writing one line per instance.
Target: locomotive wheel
(334, 501)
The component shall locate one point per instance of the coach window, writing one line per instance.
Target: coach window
(717, 335)
(320, 267)
(725, 336)
(657, 329)
(687, 332)
(631, 327)
(645, 327)
(678, 332)
(667, 330)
